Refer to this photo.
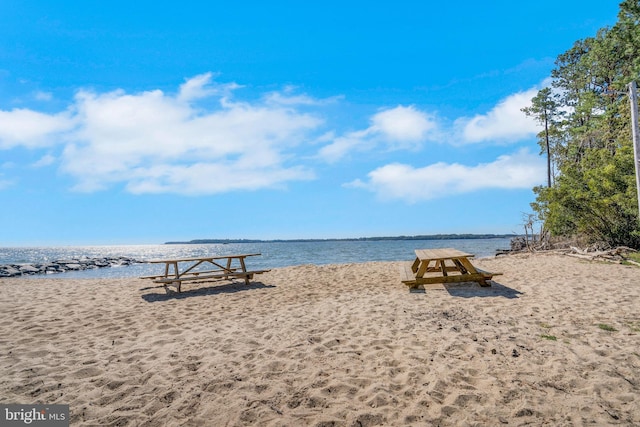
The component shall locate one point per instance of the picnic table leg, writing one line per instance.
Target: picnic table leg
(228, 267)
(177, 284)
(244, 270)
(472, 270)
(441, 265)
(415, 265)
(461, 267)
(176, 272)
(467, 264)
(424, 266)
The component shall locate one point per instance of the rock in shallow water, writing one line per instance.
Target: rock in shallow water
(60, 266)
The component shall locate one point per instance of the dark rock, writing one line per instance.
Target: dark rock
(29, 269)
(60, 266)
(9, 271)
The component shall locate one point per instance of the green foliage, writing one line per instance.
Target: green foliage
(607, 328)
(587, 136)
(635, 256)
(634, 326)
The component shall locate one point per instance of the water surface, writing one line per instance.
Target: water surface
(274, 254)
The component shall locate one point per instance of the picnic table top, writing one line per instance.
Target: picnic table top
(201, 258)
(445, 253)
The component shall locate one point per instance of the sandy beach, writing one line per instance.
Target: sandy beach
(555, 341)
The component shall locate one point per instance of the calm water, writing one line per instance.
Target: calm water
(280, 254)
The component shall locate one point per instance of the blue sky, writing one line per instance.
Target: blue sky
(145, 122)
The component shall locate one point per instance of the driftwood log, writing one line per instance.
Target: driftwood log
(616, 255)
(612, 255)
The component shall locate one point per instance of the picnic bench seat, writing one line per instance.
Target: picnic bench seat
(210, 275)
(195, 273)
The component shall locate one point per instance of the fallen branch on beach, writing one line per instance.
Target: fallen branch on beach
(616, 255)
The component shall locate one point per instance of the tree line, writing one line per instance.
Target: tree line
(587, 139)
(354, 239)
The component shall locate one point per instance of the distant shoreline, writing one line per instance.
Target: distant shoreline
(355, 239)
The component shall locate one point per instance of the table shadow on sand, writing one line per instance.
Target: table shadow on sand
(227, 288)
(473, 290)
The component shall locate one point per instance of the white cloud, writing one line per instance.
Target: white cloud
(284, 99)
(43, 96)
(396, 128)
(504, 123)
(407, 128)
(5, 184)
(199, 87)
(342, 145)
(288, 96)
(45, 160)
(155, 142)
(210, 178)
(521, 170)
(24, 127)
(402, 124)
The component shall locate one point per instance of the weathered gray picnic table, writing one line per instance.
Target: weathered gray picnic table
(203, 269)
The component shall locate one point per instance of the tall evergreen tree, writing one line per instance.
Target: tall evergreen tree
(544, 109)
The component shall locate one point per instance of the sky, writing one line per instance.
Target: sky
(150, 121)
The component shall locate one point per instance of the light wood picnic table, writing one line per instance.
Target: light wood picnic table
(207, 268)
(442, 266)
